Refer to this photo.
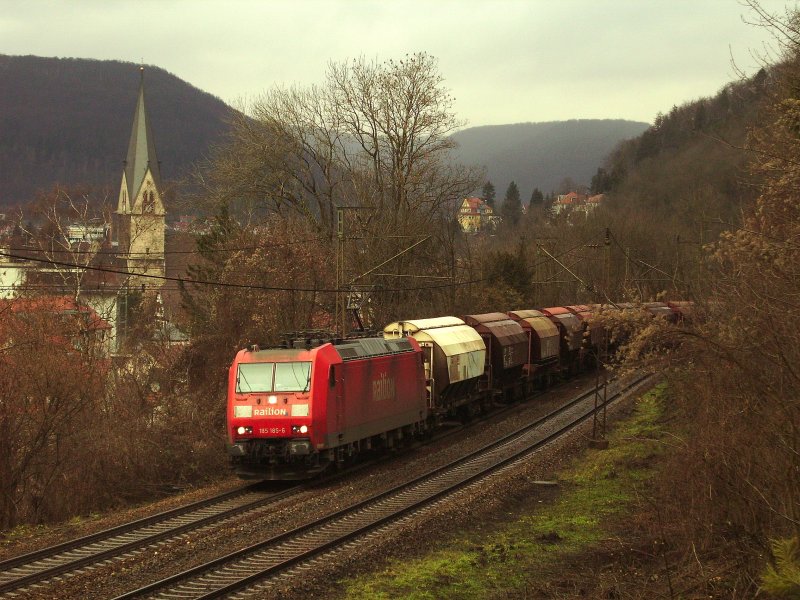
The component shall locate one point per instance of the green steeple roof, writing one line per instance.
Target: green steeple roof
(141, 148)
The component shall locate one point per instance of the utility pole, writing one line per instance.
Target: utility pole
(607, 262)
(700, 258)
(350, 296)
(537, 276)
(627, 267)
(599, 440)
(341, 298)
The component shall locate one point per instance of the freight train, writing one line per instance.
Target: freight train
(296, 411)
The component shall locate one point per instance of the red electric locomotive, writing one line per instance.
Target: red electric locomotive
(293, 412)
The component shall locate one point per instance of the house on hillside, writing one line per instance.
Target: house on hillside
(12, 272)
(574, 202)
(592, 202)
(475, 215)
(88, 232)
(568, 202)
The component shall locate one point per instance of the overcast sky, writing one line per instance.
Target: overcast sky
(505, 61)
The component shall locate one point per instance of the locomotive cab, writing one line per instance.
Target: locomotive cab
(292, 413)
(270, 421)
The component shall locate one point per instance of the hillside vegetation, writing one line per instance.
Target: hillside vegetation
(693, 159)
(542, 155)
(724, 171)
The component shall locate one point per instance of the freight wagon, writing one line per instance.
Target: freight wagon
(294, 412)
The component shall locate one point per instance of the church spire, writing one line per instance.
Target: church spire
(141, 148)
(140, 218)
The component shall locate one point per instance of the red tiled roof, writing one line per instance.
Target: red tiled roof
(571, 198)
(473, 203)
(56, 304)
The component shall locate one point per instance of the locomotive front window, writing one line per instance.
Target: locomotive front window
(254, 377)
(292, 377)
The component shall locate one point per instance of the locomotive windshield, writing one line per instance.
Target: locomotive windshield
(273, 377)
(292, 376)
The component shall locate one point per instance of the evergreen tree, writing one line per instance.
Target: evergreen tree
(511, 271)
(700, 117)
(489, 193)
(537, 197)
(512, 205)
(601, 181)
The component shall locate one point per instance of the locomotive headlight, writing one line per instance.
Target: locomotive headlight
(303, 429)
(272, 399)
(242, 430)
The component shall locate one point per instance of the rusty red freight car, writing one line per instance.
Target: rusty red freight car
(595, 335)
(506, 352)
(661, 309)
(293, 412)
(683, 309)
(571, 330)
(543, 345)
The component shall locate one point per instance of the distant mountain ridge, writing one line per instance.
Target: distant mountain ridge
(68, 121)
(543, 154)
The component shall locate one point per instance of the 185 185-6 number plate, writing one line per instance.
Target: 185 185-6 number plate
(272, 430)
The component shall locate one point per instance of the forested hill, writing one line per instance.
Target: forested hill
(542, 155)
(68, 121)
(691, 162)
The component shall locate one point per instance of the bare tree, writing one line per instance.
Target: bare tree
(52, 380)
(374, 136)
(72, 230)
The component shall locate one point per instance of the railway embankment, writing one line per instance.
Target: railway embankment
(576, 524)
(567, 521)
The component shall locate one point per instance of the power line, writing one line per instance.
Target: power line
(197, 251)
(184, 281)
(626, 253)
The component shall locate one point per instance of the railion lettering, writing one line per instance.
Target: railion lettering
(270, 412)
(383, 389)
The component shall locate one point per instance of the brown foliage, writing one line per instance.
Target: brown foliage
(285, 263)
(79, 433)
(51, 378)
(736, 480)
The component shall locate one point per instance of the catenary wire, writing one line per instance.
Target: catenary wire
(184, 281)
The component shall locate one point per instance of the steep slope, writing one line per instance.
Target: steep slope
(693, 160)
(68, 121)
(543, 154)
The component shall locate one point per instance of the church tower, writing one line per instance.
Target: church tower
(141, 220)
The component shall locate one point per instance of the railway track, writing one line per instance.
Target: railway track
(22, 571)
(73, 556)
(253, 569)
